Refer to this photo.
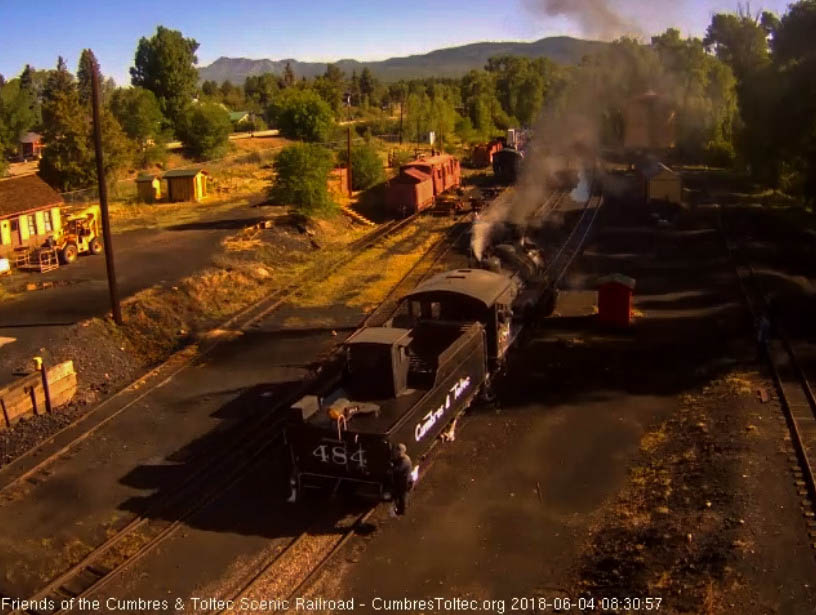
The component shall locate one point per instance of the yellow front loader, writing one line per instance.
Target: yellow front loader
(80, 234)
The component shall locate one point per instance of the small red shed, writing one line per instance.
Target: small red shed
(615, 300)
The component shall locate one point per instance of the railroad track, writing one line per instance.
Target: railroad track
(792, 384)
(558, 264)
(237, 454)
(147, 531)
(551, 204)
(280, 574)
(418, 272)
(275, 576)
(164, 372)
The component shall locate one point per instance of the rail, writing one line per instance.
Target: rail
(222, 470)
(237, 456)
(316, 543)
(558, 265)
(756, 299)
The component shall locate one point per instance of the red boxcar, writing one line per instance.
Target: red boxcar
(483, 154)
(443, 168)
(409, 192)
(420, 181)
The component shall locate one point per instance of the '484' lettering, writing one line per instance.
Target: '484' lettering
(338, 454)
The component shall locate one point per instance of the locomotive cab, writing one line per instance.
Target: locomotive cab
(466, 295)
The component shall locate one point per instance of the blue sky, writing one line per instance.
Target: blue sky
(37, 31)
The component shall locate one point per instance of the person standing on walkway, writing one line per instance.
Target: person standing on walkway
(402, 470)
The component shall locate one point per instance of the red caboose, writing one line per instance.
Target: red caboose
(409, 192)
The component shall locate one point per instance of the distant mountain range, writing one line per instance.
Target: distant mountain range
(450, 62)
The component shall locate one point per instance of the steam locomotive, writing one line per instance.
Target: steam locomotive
(405, 383)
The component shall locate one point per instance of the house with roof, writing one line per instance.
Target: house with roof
(29, 213)
(186, 184)
(31, 146)
(238, 117)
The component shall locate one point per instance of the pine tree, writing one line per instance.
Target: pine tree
(87, 64)
(288, 76)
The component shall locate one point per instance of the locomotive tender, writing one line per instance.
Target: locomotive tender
(404, 383)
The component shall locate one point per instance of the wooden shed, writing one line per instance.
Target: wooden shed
(186, 184)
(148, 188)
(29, 213)
(338, 182)
(615, 300)
(660, 183)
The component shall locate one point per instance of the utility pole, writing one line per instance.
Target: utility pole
(402, 104)
(116, 309)
(348, 151)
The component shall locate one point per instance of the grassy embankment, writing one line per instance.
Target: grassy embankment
(256, 262)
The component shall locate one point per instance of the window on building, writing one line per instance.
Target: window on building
(47, 224)
(32, 225)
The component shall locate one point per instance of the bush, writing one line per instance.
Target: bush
(366, 166)
(301, 114)
(204, 130)
(302, 172)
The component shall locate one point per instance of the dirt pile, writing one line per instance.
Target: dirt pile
(677, 529)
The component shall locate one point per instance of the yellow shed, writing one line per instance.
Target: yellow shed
(148, 188)
(660, 183)
(186, 184)
(29, 213)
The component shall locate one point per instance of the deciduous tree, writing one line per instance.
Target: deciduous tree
(366, 166)
(301, 114)
(165, 65)
(204, 129)
(301, 176)
(137, 111)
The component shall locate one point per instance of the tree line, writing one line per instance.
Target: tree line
(743, 97)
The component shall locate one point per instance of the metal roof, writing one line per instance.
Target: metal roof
(381, 335)
(27, 193)
(237, 115)
(617, 278)
(414, 174)
(651, 168)
(31, 137)
(184, 172)
(438, 159)
(480, 284)
(145, 177)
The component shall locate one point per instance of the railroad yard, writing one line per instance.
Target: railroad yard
(610, 463)
(504, 327)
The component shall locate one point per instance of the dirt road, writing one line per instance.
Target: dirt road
(143, 258)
